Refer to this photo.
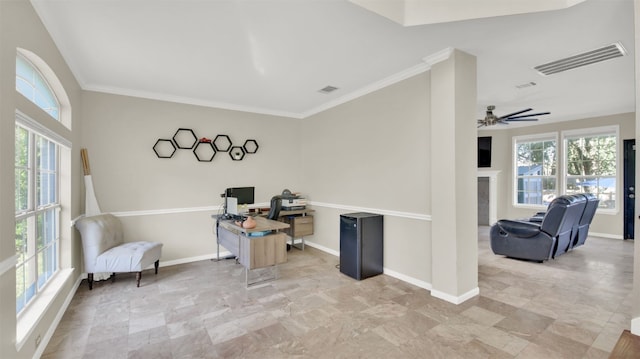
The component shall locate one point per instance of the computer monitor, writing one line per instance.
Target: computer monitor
(244, 195)
(232, 206)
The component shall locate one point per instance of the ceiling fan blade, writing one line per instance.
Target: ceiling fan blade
(520, 119)
(516, 113)
(529, 115)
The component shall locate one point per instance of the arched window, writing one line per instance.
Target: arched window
(31, 84)
(42, 186)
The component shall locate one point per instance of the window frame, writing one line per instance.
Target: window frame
(594, 131)
(60, 132)
(32, 213)
(44, 85)
(540, 137)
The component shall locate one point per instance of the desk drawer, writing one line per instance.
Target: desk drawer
(260, 252)
(302, 226)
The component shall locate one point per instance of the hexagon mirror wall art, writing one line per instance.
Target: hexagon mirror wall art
(236, 153)
(250, 146)
(164, 148)
(222, 143)
(204, 149)
(185, 138)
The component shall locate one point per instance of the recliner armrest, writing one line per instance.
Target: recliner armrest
(518, 228)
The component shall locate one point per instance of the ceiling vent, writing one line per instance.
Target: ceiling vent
(328, 89)
(583, 59)
(525, 85)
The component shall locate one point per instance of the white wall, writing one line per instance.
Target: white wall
(171, 199)
(373, 154)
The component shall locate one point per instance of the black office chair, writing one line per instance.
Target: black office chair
(276, 206)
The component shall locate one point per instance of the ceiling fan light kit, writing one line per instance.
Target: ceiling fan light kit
(490, 119)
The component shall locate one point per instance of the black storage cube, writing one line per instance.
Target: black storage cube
(361, 244)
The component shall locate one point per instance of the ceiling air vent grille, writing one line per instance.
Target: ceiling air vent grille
(583, 59)
(328, 89)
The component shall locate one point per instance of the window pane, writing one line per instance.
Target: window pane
(37, 230)
(22, 188)
(22, 147)
(26, 287)
(536, 170)
(591, 167)
(21, 240)
(31, 85)
(47, 228)
(46, 184)
(549, 158)
(21, 299)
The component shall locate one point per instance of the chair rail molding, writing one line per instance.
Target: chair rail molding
(8, 263)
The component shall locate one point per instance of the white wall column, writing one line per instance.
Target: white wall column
(454, 178)
(635, 315)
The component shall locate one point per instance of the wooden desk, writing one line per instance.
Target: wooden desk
(251, 251)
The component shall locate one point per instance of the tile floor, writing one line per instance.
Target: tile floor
(573, 307)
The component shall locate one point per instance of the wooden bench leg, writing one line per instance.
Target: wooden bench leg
(90, 280)
(138, 277)
(156, 265)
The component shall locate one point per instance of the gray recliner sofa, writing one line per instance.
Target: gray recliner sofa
(585, 220)
(538, 241)
(580, 229)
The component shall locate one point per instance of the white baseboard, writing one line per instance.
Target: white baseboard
(635, 326)
(408, 279)
(387, 271)
(191, 259)
(322, 248)
(605, 235)
(453, 299)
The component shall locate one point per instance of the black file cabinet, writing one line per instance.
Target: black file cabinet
(361, 244)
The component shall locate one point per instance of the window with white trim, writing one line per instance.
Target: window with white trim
(37, 209)
(591, 158)
(32, 85)
(535, 171)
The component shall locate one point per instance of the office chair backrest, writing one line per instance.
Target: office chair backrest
(276, 205)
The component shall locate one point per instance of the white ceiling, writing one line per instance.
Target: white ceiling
(273, 56)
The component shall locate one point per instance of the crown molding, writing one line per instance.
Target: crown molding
(397, 77)
(438, 56)
(190, 101)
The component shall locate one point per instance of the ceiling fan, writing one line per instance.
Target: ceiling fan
(490, 119)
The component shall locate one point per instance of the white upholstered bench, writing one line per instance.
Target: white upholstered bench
(104, 248)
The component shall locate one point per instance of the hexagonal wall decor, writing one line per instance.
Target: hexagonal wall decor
(185, 138)
(236, 153)
(164, 148)
(204, 151)
(222, 143)
(250, 146)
